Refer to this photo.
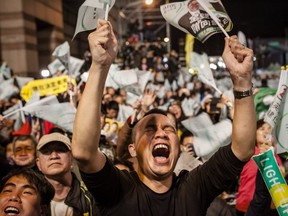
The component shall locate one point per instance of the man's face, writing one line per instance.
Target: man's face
(20, 198)
(193, 6)
(54, 159)
(157, 146)
(24, 153)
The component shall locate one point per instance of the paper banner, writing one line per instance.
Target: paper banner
(190, 17)
(51, 86)
(273, 179)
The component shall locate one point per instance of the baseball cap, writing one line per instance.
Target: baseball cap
(54, 137)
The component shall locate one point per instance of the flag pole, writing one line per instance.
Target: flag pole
(214, 17)
(37, 103)
(106, 11)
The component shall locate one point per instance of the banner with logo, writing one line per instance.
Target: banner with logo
(274, 180)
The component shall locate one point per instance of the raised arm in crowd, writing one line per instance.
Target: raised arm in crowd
(153, 189)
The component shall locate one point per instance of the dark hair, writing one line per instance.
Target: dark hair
(23, 138)
(260, 122)
(185, 134)
(112, 105)
(44, 188)
(150, 112)
(155, 111)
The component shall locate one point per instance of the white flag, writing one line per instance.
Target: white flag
(55, 66)
(21, 81)
(5, 70)
(62, 52)
(61, 114)
(124, 113)
(200, 63)
(210, 139)
(75, 65)
(197, 123)
(7, 89)
(29, 107)
(17, 116)
(89, 12)
(138, 87)
(1, 78)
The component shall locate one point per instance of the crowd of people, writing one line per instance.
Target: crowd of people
(139, 157)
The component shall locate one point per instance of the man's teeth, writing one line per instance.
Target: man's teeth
(160, 146)
(11, 210)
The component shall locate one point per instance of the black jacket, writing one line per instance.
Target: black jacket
(80, 199)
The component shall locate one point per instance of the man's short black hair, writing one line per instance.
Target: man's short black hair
(155, 111)
(44, 188)
(150, 112)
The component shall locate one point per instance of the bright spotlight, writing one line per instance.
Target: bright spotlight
(213, 66)
(148, 2)
(166, 39)
(45, 73)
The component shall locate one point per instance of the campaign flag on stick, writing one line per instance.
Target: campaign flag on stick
(17, 116)
(7, 89)
(45, 101)
(90, 11)
(55, 66)
(200, 63)
(22, 81)
(5, 70)
(201, 18)
(62, 52)
(273, 179)
(61, 114)
(277, 112)
(75, 65)
(208, 140)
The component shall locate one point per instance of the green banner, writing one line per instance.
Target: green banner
(274, 180)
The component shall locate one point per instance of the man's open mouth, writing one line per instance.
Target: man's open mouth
(161, 150)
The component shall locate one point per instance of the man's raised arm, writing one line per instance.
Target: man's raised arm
(86, 131)
(239, 62)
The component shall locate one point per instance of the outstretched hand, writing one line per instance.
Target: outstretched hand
(239, 62)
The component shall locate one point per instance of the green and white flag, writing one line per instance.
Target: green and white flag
(5, 70)
(7, 89)
(201, 18)
(60, 114)
(62, 52)
(273, 179)
(89, 12)
(55, 66)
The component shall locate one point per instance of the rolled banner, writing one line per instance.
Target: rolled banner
(273, 179)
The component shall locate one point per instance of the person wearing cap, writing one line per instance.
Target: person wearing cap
(154, 189)
(55, 161)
